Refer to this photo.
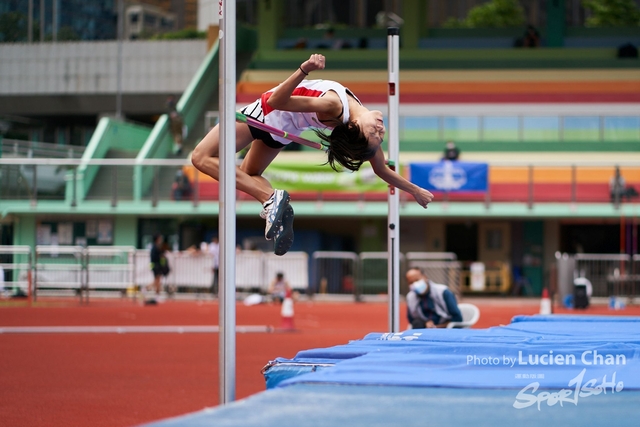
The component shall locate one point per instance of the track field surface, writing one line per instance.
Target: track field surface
(125, 379)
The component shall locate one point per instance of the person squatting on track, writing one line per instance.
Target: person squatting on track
(294, 106)
(429, 305)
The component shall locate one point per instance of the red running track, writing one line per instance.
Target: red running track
(127, 379)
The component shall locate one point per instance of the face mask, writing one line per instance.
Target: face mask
(419, 287)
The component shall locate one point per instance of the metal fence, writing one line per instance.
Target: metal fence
(366, 273)
(334, 272)
(611, 275)
(373, 273)
(117, 181)
(23, 148)
(49, 269)
(126, 269)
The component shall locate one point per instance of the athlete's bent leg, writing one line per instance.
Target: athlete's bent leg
(205, 158)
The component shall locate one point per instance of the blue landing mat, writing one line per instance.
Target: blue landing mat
(552, 348)
(538, 371)
(365, 406)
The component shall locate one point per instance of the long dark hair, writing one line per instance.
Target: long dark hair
(347, 146)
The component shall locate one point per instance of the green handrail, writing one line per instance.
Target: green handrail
(191, 106)
(109, 134)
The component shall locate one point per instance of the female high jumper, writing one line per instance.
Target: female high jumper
(294, 106)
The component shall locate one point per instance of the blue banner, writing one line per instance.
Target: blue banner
(450, 176)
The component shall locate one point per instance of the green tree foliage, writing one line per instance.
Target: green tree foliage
(612, 13)
(493, 14)
(67, 34)
(187, 33)
(13, 27)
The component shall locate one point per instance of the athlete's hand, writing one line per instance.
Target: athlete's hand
(423, 197)
(315, 62)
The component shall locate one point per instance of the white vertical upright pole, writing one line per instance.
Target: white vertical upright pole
(227, 218)
(393, 229)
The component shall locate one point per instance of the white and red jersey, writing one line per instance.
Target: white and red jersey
(296, 122)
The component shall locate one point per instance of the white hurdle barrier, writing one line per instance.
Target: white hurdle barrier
(142, 275)
(187, 270)
(254, 270)
(250, 271)
(110, 267)
(190, 270)
(15, 268)
(59, 267)
(107, 268)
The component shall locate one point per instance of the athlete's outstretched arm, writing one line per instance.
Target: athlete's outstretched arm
(282, 97)
(422, 196)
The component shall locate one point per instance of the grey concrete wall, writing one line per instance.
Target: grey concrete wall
(90, 68)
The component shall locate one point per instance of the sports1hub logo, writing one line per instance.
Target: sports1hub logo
(578, 388)
(532, 366)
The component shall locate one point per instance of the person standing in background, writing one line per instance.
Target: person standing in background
(214, 250)
(278, 287)
(451, 151)
(159, 266)
(176, 125)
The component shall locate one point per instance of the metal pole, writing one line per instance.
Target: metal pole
(34, 194)
(617, 188)
(196, 189)
(156, 186)
(574, 184)
(530, 200)
(227, 225)
(42, 21)
(393, 241)
(119, 60)
(74, 193)
(30, 22)
(54, 21)
(84, 269)
(34, 274)
(114, 187)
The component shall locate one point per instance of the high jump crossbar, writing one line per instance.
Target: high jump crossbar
(275, 131)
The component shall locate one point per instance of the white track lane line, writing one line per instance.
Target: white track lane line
(197, 329)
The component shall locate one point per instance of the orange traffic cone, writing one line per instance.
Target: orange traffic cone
(545, 302)
(286, 313)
